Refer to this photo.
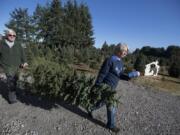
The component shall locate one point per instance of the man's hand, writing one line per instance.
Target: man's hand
(134, 74)
(23, 65)
(124, 77)
(3, 76)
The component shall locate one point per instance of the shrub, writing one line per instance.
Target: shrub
(174, 69)
(59, 81)
(140, 63)
(80, 90)
(48, 77)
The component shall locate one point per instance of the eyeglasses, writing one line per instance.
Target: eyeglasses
(11, 35)
(125, 52)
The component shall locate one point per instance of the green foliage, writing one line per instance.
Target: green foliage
(174, 69)
(78, 26)
(39, 22)
(60, 81)
(129, 61)
(66, 54)
(48, 76)
(94, 64)
(21, 22)
(77, 88)
(150, 51)
(107, 50)
(172, 51)
(54, 25)
(140, 63)
(80, 90)
(32, 51)
(102, 92)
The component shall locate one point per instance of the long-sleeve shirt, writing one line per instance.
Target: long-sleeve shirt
(11, 57)
(111, 71)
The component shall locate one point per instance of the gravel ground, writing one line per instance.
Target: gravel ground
(143, 111)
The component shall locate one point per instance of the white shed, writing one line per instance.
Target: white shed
(152, 69)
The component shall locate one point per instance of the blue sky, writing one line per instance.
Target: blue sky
(136, 22)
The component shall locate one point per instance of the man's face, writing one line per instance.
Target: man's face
(11, 36)
(123, 53)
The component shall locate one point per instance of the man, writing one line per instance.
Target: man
(109, 74)
(11, 58)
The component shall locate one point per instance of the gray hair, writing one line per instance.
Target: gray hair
(8, 31)
(121, 47)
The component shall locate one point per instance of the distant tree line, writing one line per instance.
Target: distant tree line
(169, 59)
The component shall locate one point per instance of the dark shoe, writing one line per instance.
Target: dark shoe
(12, 97)
(115, 129)
(90, 114)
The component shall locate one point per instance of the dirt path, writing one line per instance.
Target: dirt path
(143, 111)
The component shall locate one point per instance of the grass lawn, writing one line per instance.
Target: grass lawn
(160, 82)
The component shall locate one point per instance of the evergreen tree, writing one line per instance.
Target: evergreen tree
(140, 63)
(172, 51)
(21, 22)
(104, 48)
(78, 25)
(174, 69)
(107, 50)
(48, 22)
(86, 28)
(40, 19)
(55, 25)
(71, 19)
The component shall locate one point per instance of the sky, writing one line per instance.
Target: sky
(138, 23)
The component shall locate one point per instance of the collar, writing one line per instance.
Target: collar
(10, 44)
(116, 58)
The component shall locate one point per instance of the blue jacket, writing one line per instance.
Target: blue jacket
(111, 71)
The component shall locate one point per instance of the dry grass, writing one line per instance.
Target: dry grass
(160, 82)
(83, 68)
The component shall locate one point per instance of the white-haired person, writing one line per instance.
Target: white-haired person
(11, 58)
(110, 73)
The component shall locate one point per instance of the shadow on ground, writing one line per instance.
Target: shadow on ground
(28, 98)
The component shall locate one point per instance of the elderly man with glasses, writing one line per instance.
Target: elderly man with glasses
(11, 58)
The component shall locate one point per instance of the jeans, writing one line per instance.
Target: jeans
(11, 83)
(111, 112)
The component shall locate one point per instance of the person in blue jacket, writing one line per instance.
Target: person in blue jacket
(110, 73)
